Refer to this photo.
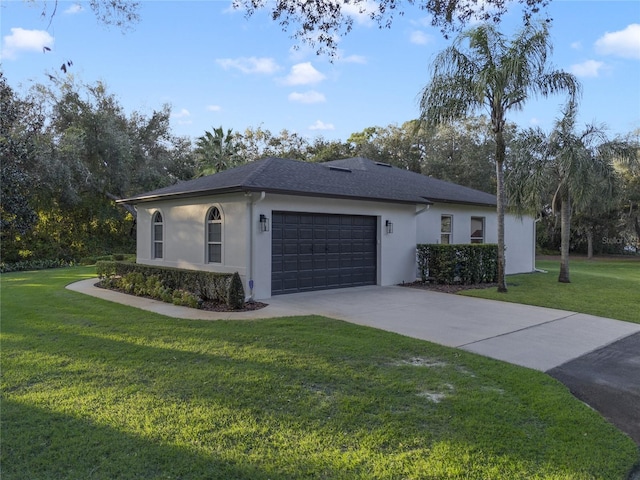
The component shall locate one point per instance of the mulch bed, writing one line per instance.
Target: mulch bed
(207, 306)
(448, 288)
(222, 307)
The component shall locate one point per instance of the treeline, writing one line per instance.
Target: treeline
(69, 150)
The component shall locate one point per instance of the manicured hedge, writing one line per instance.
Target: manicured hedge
(464, 264)
(209, 286)
(33, 265)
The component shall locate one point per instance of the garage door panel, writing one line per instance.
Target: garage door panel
(320, 251)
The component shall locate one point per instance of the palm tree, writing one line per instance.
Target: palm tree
(216, 151)
(565, 171)
(482, 70)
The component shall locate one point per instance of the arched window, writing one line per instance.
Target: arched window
(214, 236)
(158, 235)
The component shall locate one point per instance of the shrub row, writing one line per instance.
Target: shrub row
(463, 264)
(33, 265)
(127, 257)
(42, 264)
(162, 282)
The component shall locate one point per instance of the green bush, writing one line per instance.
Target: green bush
(41, 264)
(185, 299)
(92, 260)
(162, 282)
(235, 296)
(464, 264)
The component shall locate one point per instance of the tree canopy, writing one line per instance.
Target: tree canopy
(319, 23)
(485, 70)
(567, 171)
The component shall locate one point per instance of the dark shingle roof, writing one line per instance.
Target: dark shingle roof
(353, 178)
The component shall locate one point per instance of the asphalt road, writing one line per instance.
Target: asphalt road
(608, 380)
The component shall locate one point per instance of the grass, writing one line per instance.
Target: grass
(96, 390)
(602, 287)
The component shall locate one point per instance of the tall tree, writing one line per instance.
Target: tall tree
(483, 70)
(566, 171)
(21, 134)
(629, 206)
(216, 152)
(64, 173)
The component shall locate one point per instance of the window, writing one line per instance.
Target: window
(214, 236)
(157, 235)
(446, 229)
(477, 229)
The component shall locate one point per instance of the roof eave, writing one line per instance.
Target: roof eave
(460, 202)
(221, 191)
(169, 196)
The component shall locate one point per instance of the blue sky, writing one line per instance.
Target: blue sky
(215, 67)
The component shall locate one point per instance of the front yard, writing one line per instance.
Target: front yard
(92, 389)
(605, 287)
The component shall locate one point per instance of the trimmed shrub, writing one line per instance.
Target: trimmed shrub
(465, 264)
(34, 265)
(235, 296)
(162, 282)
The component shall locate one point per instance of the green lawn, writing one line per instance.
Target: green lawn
(96, 390)
(603, 287)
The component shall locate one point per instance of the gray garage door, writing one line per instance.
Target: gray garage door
(313, 251)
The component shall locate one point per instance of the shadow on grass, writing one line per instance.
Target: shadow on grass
(96, 390)
(65, 447)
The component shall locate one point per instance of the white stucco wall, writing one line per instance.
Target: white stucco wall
(184, 243)
(396, 251)
(185, 234)
(519, 232)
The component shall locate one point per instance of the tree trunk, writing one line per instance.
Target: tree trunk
(589, 243)
(500, 197)
(565, 236)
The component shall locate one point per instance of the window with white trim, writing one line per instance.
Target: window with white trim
(214, 236)
(477, 229)
(446, 229)
(158, 235)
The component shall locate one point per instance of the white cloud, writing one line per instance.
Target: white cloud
(73, 9)
(25, 40)
(419, 37)
(261, 65)
(320, 125)
(623, 43)
(361, 12)
(183, 113)
(576, 45)
(590, 68)
(214, 108)
(352, 59)
(307, 97)
(303, 74)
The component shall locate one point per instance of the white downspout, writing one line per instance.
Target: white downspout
(422, 210)
(535, 223)
(251, 240)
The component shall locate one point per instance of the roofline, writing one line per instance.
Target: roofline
(195, 193)
(238, 189)
(459, 202)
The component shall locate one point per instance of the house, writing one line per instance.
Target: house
(287, 226)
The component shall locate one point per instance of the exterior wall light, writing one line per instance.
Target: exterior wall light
(264, 223)
(389, 226)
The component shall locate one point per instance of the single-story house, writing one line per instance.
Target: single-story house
(288, 226)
